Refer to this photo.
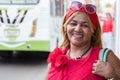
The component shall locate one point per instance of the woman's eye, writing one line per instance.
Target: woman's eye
(73, 24)
(85, 25)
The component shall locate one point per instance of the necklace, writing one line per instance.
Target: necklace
(80, 55)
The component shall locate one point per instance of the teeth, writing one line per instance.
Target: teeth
(78, 35)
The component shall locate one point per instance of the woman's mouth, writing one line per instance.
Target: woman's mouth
(78, 35)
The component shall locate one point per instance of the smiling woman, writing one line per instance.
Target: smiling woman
(79, 31)
(77, 57)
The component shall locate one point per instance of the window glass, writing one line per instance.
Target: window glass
(19, 2)
(5, 1)
(59, 7)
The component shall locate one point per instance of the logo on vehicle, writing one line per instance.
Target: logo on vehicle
(4, 18)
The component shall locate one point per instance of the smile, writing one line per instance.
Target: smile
(78, 35)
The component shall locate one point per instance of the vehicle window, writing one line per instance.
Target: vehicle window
(19, 2)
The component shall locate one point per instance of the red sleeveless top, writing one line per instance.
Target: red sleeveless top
(108, 26)
(64, 68)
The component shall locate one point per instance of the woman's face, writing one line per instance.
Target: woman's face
(79, 31)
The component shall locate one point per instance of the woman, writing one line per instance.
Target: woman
(77, 56)
(107, 30)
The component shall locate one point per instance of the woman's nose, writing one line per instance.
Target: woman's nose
(78, 28)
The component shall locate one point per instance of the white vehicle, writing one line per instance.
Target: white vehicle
(27, 25)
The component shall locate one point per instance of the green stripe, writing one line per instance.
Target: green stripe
(34, 46)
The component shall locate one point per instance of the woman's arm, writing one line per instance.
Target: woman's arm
(115, 62)
(109, 69)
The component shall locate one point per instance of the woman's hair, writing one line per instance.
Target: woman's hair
(95, 40)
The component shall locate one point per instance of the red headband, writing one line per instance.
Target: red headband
(93, 17)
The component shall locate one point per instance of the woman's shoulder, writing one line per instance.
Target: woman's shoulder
(113, 58)
(96, 49)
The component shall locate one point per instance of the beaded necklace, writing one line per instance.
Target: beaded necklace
(80, 55)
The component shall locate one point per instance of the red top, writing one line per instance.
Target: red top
(64, 68)
(107, 25)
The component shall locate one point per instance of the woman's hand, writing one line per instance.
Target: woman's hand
(104, 69)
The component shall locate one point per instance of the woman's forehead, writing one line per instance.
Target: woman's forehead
(80, 17)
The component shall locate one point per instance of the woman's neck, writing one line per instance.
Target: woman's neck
(76, 51)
